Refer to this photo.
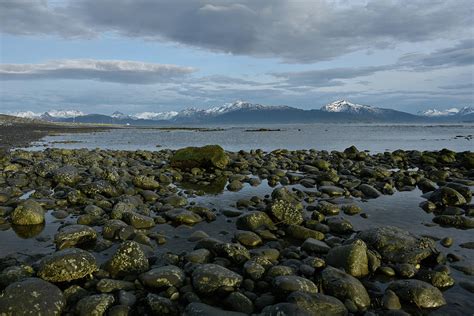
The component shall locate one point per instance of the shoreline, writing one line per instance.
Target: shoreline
(248, 232)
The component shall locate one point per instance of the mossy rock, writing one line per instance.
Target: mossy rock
(210, 156)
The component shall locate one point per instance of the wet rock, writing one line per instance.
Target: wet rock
(68, 175)
(254, 220)
(344, 286)
(179, 216)
(312, 245)
(239, 302)
(32, 296)
(286, 212)
(352, 258)
(128, 259)
(284, 309)
(447, 196)
(464, 190)
(112, 285)
(233, 251)
(248, 238)
(235, 185)
(327, 208)
(284, 285)
(447, 242)
(176, 201)
(303, 233)
(146, 183)
(201, 309)
(139, 221)
(161, 305)
(390, 300)
(440, 279)
(67, 265)
(211, 156)
(339, 225)
(94, 304)
(396, 245)
(253, 270)
(29, 212)
(199, 256)
(457, 221)
(332, 190)
(74, 235)
(112, 227)
(14, 274)
(208, 278)
(369, 191)
(419, 293)
(163, 277)
(318, 304)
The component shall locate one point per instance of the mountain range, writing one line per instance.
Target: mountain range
(241, 112)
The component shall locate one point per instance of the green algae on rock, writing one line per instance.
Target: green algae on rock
(210, 156)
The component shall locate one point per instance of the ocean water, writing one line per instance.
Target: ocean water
(372, 137)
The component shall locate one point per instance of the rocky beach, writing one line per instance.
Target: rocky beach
(203, 231)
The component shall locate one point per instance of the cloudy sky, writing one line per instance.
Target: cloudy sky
(154, 55)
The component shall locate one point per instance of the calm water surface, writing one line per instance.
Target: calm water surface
(372, 137)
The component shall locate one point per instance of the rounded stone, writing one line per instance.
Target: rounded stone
(163, 277)
(32, 296)
(29, 212)
(67, 265)
(208, 278)
(128, 259)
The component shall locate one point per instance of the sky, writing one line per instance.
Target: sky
(132, 56)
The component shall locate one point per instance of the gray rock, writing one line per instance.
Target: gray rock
(352, 258)
(318, 304)
(95, 305)
(286, 212)
(179, 216)
(254, 220)
(161, 305)
(28, 213)
(67, 265)
(233, 251)
(457, 221)
(312, 245)
(344, 286)
(163, 277)
(303, 233)
(447, 196)
(112, 285)
(128, 259)
(201, 309)
(286, 284)
(238, 302)
(397, 245)
(138, 221)
(369, 191)
(199, 256)
(74, 235)
(208, 278)
(390, 300)
(419, 293)
(32, 296)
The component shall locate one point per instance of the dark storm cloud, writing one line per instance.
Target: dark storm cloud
(295, 31)
(119, 71)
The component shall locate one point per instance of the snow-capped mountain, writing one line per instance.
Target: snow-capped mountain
(448, 112)
(343, 106)
(156, 115)
(194, 112)
(49, 115)
(120, 115)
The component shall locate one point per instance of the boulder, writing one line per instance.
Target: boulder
(211, 156)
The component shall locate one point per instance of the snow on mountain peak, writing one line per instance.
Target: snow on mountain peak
(448, 112)
(64, 113)
(346, 106)
(156, 115)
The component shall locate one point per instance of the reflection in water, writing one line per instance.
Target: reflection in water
(28, 231)
(215, 187)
